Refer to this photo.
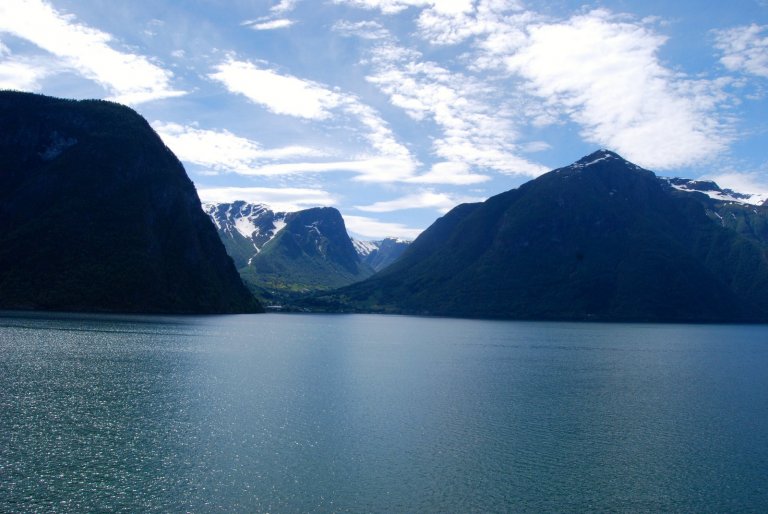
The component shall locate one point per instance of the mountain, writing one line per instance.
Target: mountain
(244, 228)
(601, 239)
(380, 254)
(715, 192)
(281, 255)
(742, 213)
(97, 214)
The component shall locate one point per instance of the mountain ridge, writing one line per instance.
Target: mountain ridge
(285, 254)
(116, 225)
(601, 239)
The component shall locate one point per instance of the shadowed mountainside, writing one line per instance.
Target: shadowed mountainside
(601, 239)
(97, 214)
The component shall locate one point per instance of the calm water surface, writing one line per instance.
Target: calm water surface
(309, 413)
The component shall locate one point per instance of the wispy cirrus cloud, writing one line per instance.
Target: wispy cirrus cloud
(279, 199)
(472, 135)
(377, 229)
(223, 151)
(22, 73)
(744, 49)
(449, 173)
(396, 6)
(365, 169)
(128, 77)
(363, 29)
(600, 71)
(280, 93)
(476, 130)
(283, 6)
(500, 24)
(276, 19)
(605, 75)
(387, 161)
(441, 202)
(280, 23)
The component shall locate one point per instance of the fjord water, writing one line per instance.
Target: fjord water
(299, 413)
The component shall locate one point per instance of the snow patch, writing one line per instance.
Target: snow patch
(210, 210)
(278, 224)
(365, 248)
(590, 163)
(313, 227)
(246, 227)
(604, 156)
(723, 195)
(717, 215)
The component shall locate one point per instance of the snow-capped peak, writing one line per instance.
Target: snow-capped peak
(594, 158)
(712, 190)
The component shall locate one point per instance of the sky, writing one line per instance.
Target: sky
(395, 111)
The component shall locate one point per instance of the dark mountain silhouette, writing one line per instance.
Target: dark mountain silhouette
(602, 239)
(97, 214)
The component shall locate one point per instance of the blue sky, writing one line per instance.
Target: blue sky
(394, 111)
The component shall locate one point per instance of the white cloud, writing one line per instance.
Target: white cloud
(742, 182)
(284, 6)
(284, 200)
(454, 173)
(284, 94)
(497, 17)
(275, 20)
(475, 129)
(381, 138)
(220, 150)
(396, 6)
(598, 70)
(223, 151)
(363, 29)
(440, 202)
(272, 24)
(22, 74)
(386, 6)
(376, 229)
(744, 49)
(369, 169)
(129, 78)
(281, 94)
(536, 146)
(606, 76)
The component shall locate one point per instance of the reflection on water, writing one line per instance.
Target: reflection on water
(376, 413)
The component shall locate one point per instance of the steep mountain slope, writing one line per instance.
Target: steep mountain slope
(743, 213)
(244, 228)
(96, 214)
(281, 255)
(601, 239)
(380, 254)
(711, 190)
